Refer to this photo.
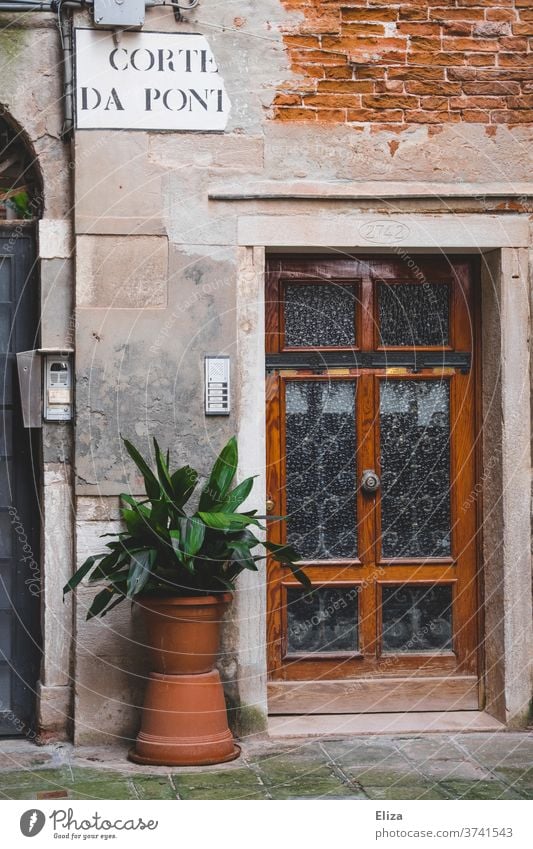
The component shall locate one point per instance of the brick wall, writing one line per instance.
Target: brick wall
(418, 62)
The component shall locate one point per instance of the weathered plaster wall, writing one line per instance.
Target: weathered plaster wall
(161, 283)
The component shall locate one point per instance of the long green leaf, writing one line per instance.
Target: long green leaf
(288, 556)
(300, 575)
(150, 481)
(186, 542)
(283, 553)
(139, 508)
(160, 512)
(192, 535)
(235, 498)
(227, 521)
(134, 523)
(113, 604)
(183, 482)
(242, 555)
(133, 502)
(100, 602)
(119, 581)
(112, 563)
(162, 471)
(221, 476)
(80, 574)
(246, 536)
(140, 571)
(175, 541)
(126, 543)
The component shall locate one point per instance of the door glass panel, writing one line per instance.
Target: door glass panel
(413, 314)
(5, 586)
(320, 444)
(319, 315)
(7, 368)
(5, 278)
(5, 535)
(417, 618)
(5, 327)
(5, 635)
(6, 481)
(5, 688)
(323, 621)
(415, 468)
(6, 433)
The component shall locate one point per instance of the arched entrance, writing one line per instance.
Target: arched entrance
(20, 575)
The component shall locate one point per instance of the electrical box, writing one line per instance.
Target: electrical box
(125, 14)
(57, 379)
(217, 399)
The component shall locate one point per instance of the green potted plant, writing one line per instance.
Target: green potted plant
(180, 568)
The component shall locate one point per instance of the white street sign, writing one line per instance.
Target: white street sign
(148, 81)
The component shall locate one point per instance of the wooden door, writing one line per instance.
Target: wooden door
(20, 576)
(371, 457)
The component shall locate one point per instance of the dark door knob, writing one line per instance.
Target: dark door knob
(370, 482)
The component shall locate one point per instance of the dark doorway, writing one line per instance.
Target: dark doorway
(20, 574)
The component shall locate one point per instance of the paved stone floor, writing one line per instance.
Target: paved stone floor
(432, 766)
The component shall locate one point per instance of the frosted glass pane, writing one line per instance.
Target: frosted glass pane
(7, 372)
(319, 315)
(6, 482)
(321, 467)
(5, 535)
(5, 278)
(417, 618)
(5, 634)
(5, 328)
(5, 688)
(5, 586)
(6, 433)
(415, 468)
(324, 621)
(414, 314)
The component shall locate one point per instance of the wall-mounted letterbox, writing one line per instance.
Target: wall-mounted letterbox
(46, 386)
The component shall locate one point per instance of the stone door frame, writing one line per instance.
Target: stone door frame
(504, 489)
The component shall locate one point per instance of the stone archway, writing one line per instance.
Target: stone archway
(21, 195)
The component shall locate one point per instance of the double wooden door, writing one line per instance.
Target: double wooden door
(371, 457)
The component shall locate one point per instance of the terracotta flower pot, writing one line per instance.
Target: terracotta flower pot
(184, 720)
(183, 634)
